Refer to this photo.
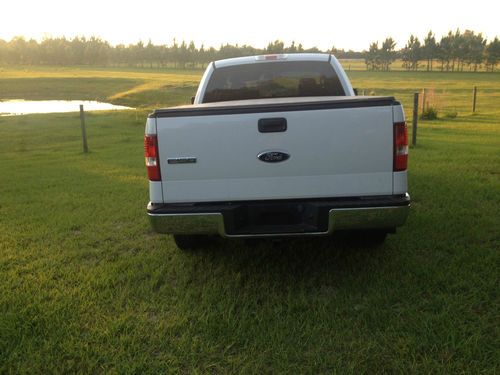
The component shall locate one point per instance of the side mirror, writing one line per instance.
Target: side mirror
(192, 100)
(355, 91)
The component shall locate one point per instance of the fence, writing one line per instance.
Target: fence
(352, 65)
(438, 103)
(445, 102)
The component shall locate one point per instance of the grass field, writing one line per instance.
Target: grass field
(86, 286)
(450, 93)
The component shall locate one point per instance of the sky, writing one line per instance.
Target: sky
(345, 24)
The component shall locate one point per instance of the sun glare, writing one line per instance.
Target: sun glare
(315, 23)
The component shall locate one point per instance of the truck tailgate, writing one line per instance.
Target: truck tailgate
(337, 147)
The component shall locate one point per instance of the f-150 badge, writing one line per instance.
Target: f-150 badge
(185, 160)
(273, 156)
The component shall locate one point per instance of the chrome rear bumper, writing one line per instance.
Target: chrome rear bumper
(369, 216)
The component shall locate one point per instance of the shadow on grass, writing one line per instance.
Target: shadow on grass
(425, 248)
(293, 260)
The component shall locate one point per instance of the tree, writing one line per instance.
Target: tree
(228, 51)
(201, 58)
(411, 53)
(102, 51)
(372, 57)
(18, 50)
(492, 53)
(387, 53)
(174, 53)
(183, 56)
(343, 54)
(445, 50)
(77, 50)
(429, 50)
(276, 47)
(120, 54)
(457, 50)
(3, 51)
(473, 51)
(313, 50)
(192, 53)
(149, 53)
(138, 53)
(292, 48)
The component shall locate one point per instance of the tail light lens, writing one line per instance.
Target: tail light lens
(400, 146)
(152, 157)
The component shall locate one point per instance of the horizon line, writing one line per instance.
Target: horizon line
(201, 44)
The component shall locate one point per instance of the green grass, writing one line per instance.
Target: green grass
(447, 92)
(64, 88)
(86, 286)
(132, 87)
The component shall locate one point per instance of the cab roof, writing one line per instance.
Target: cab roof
(272, 57)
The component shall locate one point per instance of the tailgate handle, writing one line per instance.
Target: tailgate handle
(272, 125)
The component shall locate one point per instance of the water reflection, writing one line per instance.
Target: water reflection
(23, 107)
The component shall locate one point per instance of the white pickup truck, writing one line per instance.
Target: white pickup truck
(277, 145)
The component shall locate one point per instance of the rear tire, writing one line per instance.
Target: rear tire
(190, 242)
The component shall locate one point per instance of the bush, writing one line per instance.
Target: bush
(429, 113)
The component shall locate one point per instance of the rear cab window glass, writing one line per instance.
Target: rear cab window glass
(273, 80)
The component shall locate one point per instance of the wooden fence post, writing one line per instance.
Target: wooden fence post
(424, 99)
(415, 119)
(84, 132)
(474, 94)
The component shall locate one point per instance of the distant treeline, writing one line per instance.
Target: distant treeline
(455, 51)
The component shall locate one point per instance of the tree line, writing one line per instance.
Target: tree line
(455, 51)
(95, 51)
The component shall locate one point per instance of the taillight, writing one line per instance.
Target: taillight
(152, 157)
(400, 146)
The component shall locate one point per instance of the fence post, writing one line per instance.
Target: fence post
(424, 99)
(84, 132)
(415, 119)
(474, 94)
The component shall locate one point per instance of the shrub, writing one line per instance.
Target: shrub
(429, 113)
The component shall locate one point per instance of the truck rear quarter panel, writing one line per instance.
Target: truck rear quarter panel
(400, 179)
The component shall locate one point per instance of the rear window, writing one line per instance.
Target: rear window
(273, 80)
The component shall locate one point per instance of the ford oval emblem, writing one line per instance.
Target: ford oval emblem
(273, 156)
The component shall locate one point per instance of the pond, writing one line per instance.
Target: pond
(22, 107)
